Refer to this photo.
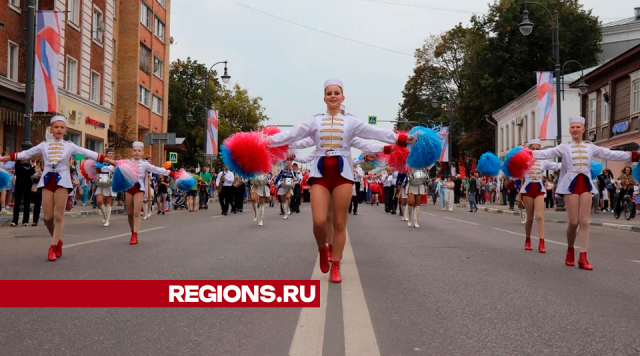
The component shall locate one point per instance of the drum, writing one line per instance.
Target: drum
(104, 180)
(418, 177)
(288, 183)
(259, 180)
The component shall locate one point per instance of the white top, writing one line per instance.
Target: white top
(535, 173)
(576, 159)
(57, 155)
(146, 168)
(228, 178)
(332, 134)
(390, 180)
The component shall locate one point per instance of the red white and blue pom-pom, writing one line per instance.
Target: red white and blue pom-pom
(398, 159)
(489, 164)
(518, 162)
(90, 169)
(184, 180)
(247, 154)
(125, 175)
(427, 149)
(280, 153)
(5, 179)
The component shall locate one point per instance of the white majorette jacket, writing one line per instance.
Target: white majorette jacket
(57, 155)
(145, 168)
(576, 159)
(535, 173)
(332, 137)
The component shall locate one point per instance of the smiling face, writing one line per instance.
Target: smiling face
(288, 167)
(137, 152)
(534, 147)
(627, 170)
(333, 97)
(58, 129)
(110, 155)
(576, 130)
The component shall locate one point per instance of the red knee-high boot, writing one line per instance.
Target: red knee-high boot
(335, 272)
(541, 247)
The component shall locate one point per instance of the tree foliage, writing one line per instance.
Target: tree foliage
(488, 63)
(238, 111)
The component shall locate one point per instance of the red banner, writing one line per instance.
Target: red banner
(159, 294)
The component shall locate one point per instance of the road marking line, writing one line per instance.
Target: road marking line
(359, 337)
(635, 261)
(468, 222)
(533, 237)
(110, 237)
(431, 214)
(308, 339)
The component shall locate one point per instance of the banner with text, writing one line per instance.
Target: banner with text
(547, 120)
(212, 132)
(444, 141)
(45, 90)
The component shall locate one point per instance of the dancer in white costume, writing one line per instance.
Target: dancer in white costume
(104, 194)
(259, 194)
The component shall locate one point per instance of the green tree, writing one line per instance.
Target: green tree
(238, 111)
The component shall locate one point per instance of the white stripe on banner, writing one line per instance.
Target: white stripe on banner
(444, 141)
(47, 61)
(546, 117)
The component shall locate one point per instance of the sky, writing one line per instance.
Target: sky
(284, 50)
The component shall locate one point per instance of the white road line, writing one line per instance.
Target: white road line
(359, 337)
(431, 214)
(468, 222)
(309, 336)
(110, 237)
(533, 237)
(635, 261)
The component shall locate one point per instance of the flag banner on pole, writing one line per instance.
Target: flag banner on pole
(45, 90)
(212, 132)
(547, 120)
(444, 140)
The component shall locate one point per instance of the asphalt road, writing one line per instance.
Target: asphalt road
(461, 284)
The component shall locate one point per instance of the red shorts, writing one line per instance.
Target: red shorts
(135, 189)
(52, 185)
(533, 190)
(580, 185)
(331, 177)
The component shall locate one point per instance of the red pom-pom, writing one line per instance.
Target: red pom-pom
(278, 154)
(250, 152)
(398, 159)
(521, 162)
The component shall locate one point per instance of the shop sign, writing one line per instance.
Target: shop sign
(620, 127)
(94, 122)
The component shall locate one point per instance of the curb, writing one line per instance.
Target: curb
(6, 220)
(624, 227)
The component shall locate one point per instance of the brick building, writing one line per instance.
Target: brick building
(611, 105)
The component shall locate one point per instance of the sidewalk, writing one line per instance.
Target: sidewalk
(602, 219)
(79, 211)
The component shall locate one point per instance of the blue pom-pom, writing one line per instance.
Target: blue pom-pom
(636, 173)
(505, 164)
(596, 169)
(120, 182)
(374, 162)
(233, 165)
(186, 184)
(5, 179)
(100, 165)
(427, 149)
(489, 164)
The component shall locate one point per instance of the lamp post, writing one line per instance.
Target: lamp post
(31, 40)
(526, 27)
(582, 86)
(225, 78)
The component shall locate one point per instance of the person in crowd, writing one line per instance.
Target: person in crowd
(161, 196)
(203, 192)
(104, 194)
(610, 186)
(36, 193)
(473, 192)
(374, 188)
(450, 193)
(457, 190)
(24, 169)
(206, 176)
(239, 189)
(9, 167)
(512, 192)
(224, 182)
(549, 199)
(297, 189)
(389, 182)
(625, 183)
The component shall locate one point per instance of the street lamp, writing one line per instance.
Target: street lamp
(225, 79)
(582, 85)
(526, 27)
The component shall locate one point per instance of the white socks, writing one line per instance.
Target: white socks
(108, 209)
(416, 213)
(261, 214)
(410, 218)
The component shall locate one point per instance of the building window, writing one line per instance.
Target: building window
(145, 15)
(145, 59)
(635, 96)
(605, 112)
(158, 29)
(15, 5)
(95, 87)
(12, 67)
(73, 8)
(162, 2)
(144, 96)
(158, 66)
(75, 138)
(94, 145)
(98, 25)
(157, 105)
(71, 80)
(592, 113)
(113, 92)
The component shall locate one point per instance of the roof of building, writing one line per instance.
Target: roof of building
(627, 21)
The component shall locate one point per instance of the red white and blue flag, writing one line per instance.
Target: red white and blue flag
(445, 142)
(547, 120)
(48, 32)
(212, 132)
